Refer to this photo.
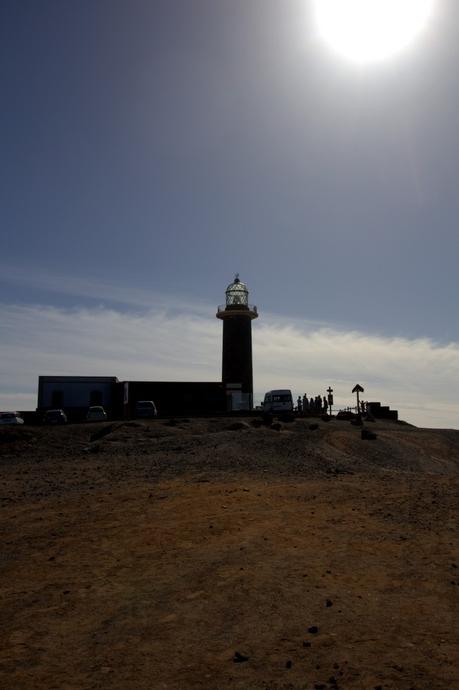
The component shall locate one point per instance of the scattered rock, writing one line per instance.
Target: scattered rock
(238, 426)
(328, 603)
(368, 435)
(313, 629)
(100, 433)
(96, 448)
(306, 644)
(288, 664)
(277, 426)
(239, 658)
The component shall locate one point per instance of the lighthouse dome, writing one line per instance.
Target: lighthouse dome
(237, 293)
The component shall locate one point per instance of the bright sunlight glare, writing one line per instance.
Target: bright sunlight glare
(370, 30)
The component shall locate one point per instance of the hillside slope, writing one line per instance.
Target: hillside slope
(216, 554)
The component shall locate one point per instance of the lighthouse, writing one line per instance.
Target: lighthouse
(237, 316)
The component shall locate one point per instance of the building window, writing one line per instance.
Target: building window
(57, 399)
(95, 398)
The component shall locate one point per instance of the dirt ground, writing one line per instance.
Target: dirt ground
(217, 554)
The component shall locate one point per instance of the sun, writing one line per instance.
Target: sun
(371, 30)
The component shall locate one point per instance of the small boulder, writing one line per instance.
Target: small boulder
(368, 435)
(238, 426)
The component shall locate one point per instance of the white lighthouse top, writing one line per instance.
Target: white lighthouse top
(237, 293)
(237, 302)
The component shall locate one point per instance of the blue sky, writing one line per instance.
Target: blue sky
(149, 150)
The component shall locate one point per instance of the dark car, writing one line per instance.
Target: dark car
(145, 408)
(55, 417)
(96, 413)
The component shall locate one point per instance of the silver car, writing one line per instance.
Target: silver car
(145, 408)
(96, 413)
(11, 418)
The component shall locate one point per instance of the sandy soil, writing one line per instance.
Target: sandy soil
(213, 554)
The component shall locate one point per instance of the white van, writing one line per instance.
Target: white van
(278, 401)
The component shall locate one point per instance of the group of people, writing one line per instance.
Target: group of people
(314, 405)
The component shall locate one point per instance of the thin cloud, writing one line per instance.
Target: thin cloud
(418, 377)
(96, 291)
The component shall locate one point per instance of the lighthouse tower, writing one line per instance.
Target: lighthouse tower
(237, 315)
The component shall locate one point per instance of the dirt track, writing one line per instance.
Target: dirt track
(150, 555)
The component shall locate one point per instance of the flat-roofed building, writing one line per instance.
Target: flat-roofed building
(75, 394)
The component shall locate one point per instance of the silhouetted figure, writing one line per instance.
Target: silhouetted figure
(305, 402)
(325, 405)
(311, 405)
(299, 405)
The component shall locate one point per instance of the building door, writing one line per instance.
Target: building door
(95, 398)
(57, 399)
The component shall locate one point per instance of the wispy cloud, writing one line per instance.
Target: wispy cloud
(95, 291)
(418, 377)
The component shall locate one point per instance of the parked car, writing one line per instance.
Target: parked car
(11, 418)
(55, 417)
(145, 408)
(96, 413)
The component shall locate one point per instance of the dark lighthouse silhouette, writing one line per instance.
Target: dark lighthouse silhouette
(237, 316)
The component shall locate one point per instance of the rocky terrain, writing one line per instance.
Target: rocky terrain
(219, 553)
